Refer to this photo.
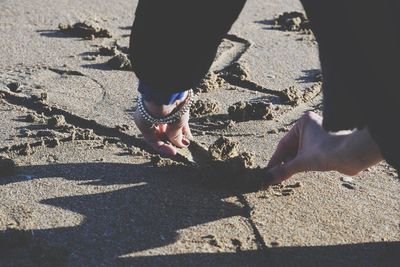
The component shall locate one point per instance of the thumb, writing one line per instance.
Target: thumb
(186, 131)
(175, 135)
(286, 170)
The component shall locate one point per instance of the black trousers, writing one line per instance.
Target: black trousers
(173, 44)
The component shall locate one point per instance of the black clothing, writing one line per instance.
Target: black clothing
(359, 44)
(173, 44)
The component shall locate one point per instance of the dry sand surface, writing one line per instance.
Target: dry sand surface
(78, 187)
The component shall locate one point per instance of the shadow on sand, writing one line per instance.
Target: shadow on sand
(147, 215)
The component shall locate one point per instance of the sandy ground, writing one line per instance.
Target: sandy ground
(86, 191)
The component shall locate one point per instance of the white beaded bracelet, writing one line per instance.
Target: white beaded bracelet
(171, 118)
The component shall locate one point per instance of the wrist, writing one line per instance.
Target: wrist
(159, 97)
(175, 112)
(356, 152)
(161, 110)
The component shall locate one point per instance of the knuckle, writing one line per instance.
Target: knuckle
(307, 117)
(173, 135)
(351, 172)
(309, 114)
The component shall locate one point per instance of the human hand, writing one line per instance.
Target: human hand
(164, 138)
(308, 147)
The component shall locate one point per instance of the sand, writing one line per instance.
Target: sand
(293, 21)
(120, 62)
(245, 111)
(204, 107)
(210, 83)
(79, 186)
(86, 30)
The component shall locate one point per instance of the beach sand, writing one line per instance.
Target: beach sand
(79, 187)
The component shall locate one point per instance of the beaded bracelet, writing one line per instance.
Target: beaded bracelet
(171, 118)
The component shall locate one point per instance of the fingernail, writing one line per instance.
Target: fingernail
(185, 141)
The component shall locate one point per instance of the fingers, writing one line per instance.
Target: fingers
(286, 160)
(287, 147)
(179, 133)
(186, 132)
(161, 147)
(161, 129)
(281, 172)
(153, 136)
(175, 135)
(298, 151)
